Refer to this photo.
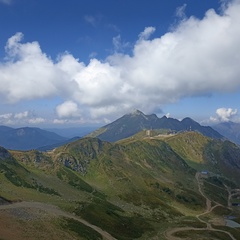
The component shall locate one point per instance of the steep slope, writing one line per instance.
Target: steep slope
(202, 153)
(230, 130)
(189, 124)
(27, 138)
(136, 121)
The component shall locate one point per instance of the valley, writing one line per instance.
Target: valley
(172, 233)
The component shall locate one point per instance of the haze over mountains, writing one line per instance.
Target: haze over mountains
(230, 130)
(35, 138)
(27, 138)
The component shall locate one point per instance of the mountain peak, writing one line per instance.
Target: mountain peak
(136, 112)
(136, 121)
(189, 120)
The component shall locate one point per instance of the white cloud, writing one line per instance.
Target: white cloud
(68, 109)
(198, 57)
(69, 121)
(21, 115)
(225, 115)
(36, 120)
(59, 121)
(21, 118)
(6, 116)
(29, 74)
(148, 31)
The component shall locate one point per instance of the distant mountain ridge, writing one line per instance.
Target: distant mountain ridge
(134, 122)
(27, 138)
(230, 130)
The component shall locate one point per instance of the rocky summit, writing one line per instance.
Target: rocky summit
(136, 121)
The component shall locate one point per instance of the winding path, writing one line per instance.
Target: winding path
(169, 234)
(53, 210)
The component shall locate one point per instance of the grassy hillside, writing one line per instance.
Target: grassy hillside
(202, 153)
(136, 188)
(190, 146)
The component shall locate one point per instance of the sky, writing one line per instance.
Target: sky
(75, 63)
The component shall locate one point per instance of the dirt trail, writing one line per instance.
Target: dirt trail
(169, 234)
(53, 210)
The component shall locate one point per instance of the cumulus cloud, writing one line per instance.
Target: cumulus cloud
(28, 73)
(68, 109)
(37, 120)
(21, 115)
(6, 119)
(198, 57)
(20, 118)
(224, 115)
(59, 121)
(6, 116)
(148, 31)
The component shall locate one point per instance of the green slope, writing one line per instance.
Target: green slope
(133, 189)
(202, 153)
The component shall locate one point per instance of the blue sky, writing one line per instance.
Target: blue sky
(74, 62)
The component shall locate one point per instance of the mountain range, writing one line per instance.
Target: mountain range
(136, 121)
(230, 130)
(27, 138)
